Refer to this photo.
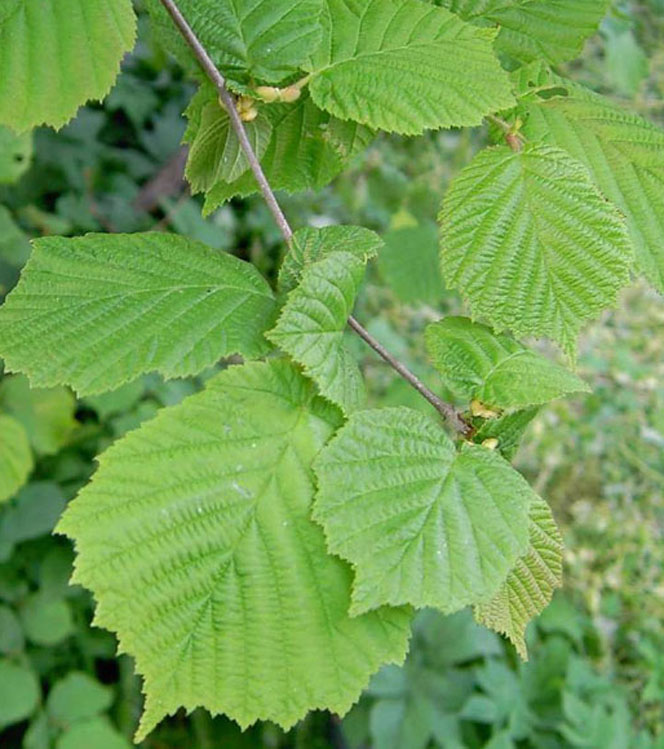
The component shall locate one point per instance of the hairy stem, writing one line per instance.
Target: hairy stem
(452, 415)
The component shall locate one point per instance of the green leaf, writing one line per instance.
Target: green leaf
(495, 369)
(14, 244)
(77, 696)
(409, 264)
(554, 30)
(312, 324)
(15, 457)
(531, 243)
(11, 634)
(32, 513)
(251, 39)
(421, 523)
(308, 149)
(403, 66)
(208, 565)
(97, 311)
(46, 621)
(508, 429)
(96, 732)
(215, 155)
(623, 152)
(15, 155)
(530, 585)
(47, 415)
(57, 54)
(19, 693)
(309, 245)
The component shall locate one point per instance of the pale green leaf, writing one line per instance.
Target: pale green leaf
(409, 263)
(554, 30)
(196, 539)
(531, 243)
(57, 54)
(215, 154)
(97, 311)
(508, 429)
(420, 522)
(15, 457)
(19, 693)
(312, 324)
(46, 621)
(404, 66)
(307, 150)
(530, 585)
(46, 414)
(14, 244)
(624, 153)
(309, 245)
(475, 363)
(15, 155)
(95, 732)
(249, 39)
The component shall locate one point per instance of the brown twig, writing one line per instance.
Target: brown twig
(448, 411)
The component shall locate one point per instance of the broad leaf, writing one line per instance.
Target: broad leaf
(531, 244)
(624, 153)
(530, 585)
(495, 369)
(404, 66)
(215, 154)
(15, 457)
(554, 30)
(249, 39)
(208, 565)
(309, 245)
(307, 150)
(420, 522)
(97, 311)
(47, 415)
(57, 54)
(312, 324)
(409, 263)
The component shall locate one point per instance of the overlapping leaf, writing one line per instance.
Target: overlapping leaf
(404, 66)
(420, 522)
(307, 150)
(97, 311)
(260, 39)
(310, 245)
(196, 538)
(215, 155)
(554, 30)
(495, 369)
(530, 585)
(57, 54)
(532, 244)
(312, 324)
(15, 457)
(508, 429)
(624, 153)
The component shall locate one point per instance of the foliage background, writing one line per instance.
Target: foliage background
(596, 674)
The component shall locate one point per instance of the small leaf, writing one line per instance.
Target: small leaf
(508, 429)
(404, 66)
(15, 155)
(410, 265)
(97, 311)
(215, 155)
(46, 414)
(15, 457)
(624, 153)
(530, 585)
(531, 244)
(11, 634)
(421, 523)
(77, 696)
(312, 324)
(534, 29)
(32, 513)
(57, 54)
(307, 150)
(46, 621)
(207, 563)
(495, 369)
(19, 693)
(309, 245)
(96, 732)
